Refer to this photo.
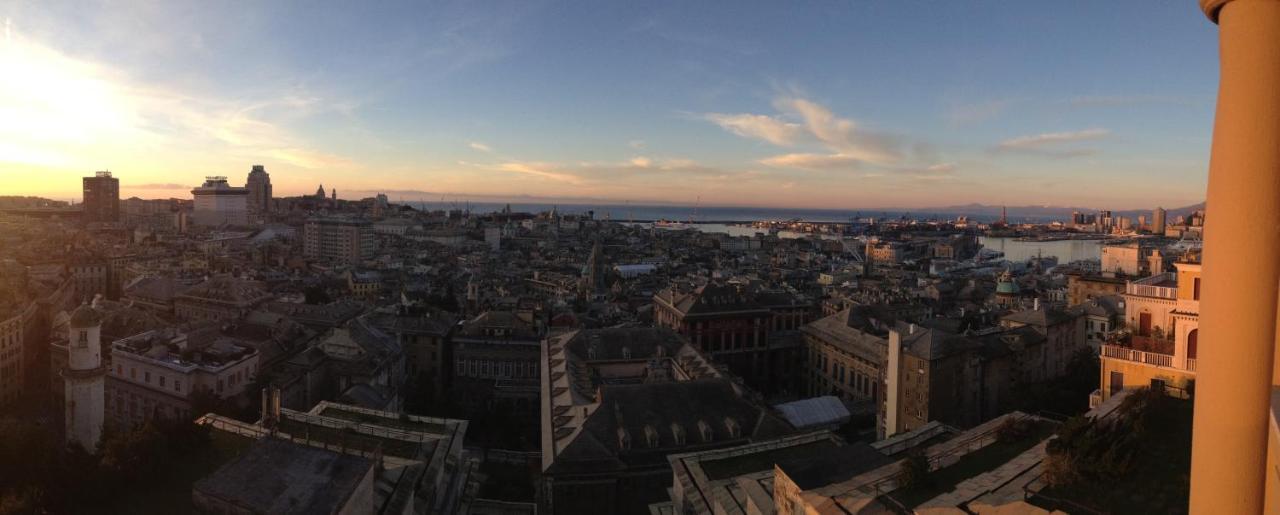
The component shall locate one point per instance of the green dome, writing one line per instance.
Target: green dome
(1006, 286)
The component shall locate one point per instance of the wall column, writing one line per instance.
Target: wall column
(1241, 272)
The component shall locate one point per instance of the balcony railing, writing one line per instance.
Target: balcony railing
(1150, 358)
(1191, 364)
(1149, 286)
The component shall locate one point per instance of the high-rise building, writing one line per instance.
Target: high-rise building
(101, 198)
(259, 186)
(218, 203)
(1157, 220)
(343, 239)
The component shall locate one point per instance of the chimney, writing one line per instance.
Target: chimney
(1036, 305)
(97, 301)
(911, 329)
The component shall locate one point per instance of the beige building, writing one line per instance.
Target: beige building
(1162, 336)
(340, 239)
(156, 373)
(845, 356)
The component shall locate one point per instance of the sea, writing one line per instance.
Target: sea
(704, 214)
(719, 219)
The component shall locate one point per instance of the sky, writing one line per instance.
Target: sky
(825, 104)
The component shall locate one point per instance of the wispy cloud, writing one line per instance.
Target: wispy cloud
(476, 145)
(160, 186)
(803, 121)
(1055, 144)
(90, 112)
(811, 161)
(541, 170)
(637, 144)
(971, 114)
(1125, 100)
(758, 126)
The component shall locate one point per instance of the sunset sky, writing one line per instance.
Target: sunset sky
(839, 104)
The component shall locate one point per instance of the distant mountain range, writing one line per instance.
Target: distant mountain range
(1044, 212)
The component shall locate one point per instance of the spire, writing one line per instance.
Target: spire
(320, 191)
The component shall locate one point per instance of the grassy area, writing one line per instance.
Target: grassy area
(352, 439)
(754, 462)
(1158, 479)
(982, 460)
(398, 423)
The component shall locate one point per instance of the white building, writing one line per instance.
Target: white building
(84, 379)
(218, 203)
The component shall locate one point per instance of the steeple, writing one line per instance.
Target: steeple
(335, 193)
(320, 192)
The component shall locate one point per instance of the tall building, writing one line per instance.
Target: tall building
(343, 239)
(259, 186)
(1157, 221)
(101, 198)
(218, 203)
(84, 379)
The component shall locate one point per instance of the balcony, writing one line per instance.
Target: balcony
(1163, 286)
(1138, 356)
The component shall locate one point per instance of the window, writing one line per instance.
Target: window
(177, 385)
(1195, 289)
(146, 377)
(162, 378)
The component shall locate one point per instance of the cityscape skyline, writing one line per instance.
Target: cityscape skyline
(539, 101)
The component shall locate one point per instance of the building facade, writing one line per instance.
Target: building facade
(258, 185)
(739, 325)
(101, 198)
(339, 239)
(217, 203)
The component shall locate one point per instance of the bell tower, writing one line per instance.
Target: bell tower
(84, 379)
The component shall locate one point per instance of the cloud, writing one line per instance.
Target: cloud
(476, 145)
(636, 144)
(159, 186)
(800, 121)
(83, 114)
(758, 126)
(977, 113)
(1056, 144)
(842, 134)
(811, 161)
(543, 170)
(931, 172)
(1125, 100)
(641, 162)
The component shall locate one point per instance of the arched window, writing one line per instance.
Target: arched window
(1191, 343)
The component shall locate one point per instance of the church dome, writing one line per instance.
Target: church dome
(85, 316)
(1006, 285)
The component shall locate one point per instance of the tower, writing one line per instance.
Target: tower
(596, 270)
(101, 202)
(84, 378)
(259, 186)
(1158, 221)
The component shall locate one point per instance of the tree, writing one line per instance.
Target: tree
(913, 471)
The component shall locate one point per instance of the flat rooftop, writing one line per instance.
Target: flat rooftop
(276, 476)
